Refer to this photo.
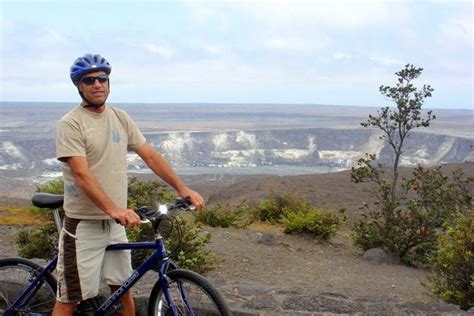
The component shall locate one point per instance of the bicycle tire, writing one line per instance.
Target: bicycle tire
(14, 278)
(203, 297)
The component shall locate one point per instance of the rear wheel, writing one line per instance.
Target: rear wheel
(191, 293)
(15, 276)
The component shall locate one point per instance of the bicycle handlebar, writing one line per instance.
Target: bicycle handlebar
(146, 214)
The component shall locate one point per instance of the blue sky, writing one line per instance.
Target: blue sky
(322, 52)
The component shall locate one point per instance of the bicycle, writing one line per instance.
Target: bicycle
(29, 289)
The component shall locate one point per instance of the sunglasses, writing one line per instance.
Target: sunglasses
(89, 81)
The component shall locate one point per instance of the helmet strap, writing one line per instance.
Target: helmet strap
(89, 103)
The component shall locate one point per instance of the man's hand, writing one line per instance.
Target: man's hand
(126, 217)
(162, 169)
(194, 197)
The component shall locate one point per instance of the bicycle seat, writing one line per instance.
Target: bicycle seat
(47, 200)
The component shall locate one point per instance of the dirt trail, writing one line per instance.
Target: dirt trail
(289, 262)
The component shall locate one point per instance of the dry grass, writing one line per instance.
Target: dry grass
(18, 216)
(265, 227)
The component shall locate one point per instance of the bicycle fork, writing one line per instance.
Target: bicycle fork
(165, 285)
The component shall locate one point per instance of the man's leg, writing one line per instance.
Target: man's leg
(128, 303)
(81, 250)
(69, 288)
(63, 309)
(117, 266)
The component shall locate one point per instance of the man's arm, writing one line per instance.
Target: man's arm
(162, 169)
(91, 187)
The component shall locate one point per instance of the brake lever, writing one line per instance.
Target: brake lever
(184, 204)
(144, 213)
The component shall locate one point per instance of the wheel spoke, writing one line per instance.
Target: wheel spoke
(15, 277)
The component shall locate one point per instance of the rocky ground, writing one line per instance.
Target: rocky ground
(262, 271)
(272, 273)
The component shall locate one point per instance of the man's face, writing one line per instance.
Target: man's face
(95, 91)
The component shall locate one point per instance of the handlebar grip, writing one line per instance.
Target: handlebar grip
(144, 212)
(184, 203)
(147, 213)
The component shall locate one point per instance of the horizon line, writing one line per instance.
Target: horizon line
(239, 103)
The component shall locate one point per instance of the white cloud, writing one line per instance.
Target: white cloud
(212, 49)
(341, 56)
(215, 71)
(209, 14)
(292, 44)
(458, 29)
(387, 61)
(334, 14)
(163, 51)
(454, 44)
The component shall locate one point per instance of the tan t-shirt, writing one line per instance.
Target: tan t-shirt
(104, 139)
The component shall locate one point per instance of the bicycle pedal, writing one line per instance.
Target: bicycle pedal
(87, 307)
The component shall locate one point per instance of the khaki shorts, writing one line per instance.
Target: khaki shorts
(83, 260)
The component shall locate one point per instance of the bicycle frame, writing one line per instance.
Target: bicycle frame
(159, 255)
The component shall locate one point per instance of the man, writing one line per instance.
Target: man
(92, 142)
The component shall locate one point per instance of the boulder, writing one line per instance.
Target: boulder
(378, 256)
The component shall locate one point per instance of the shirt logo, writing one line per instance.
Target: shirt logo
(71, 190)
(116, 136)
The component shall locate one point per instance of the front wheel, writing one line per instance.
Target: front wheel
(15, 276)
(191, 294)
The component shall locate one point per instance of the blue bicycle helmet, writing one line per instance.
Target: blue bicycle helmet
(89, 63)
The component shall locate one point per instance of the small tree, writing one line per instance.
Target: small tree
(389, 220)
(396, 125)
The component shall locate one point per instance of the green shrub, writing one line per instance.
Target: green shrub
(185, 246)
(54, 187)
(41, 242)
(410, 226)
(215, 216)
(224, 215)
(274, 208)
(38, 242)
(366, 235)
(453, 264)
(297, 216)
(147, 193)
(320, 224)
(188, 248)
